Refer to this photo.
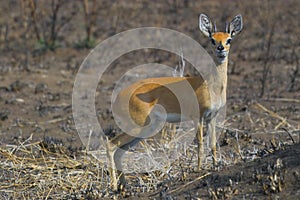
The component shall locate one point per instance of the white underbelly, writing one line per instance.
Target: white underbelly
(171, 117)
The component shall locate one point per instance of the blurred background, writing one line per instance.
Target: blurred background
(43, 43)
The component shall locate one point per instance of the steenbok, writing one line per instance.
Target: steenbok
(137, 101)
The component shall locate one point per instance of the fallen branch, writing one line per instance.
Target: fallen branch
(283, 100)
(296, 131)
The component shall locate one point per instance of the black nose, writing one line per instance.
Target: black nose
(220, 48)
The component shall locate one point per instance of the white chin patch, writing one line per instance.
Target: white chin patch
(222, 56)
(221, 59)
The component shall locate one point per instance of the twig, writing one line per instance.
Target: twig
(10, 186)
(55, 8)
(267, 57)
(238, 146)
(283, 100)
(24, 145)
(230, 129)
(296, 70)
(89, 18)
(49, 192)
(189, 183)
(272, 114)
(33, 16)
(53, 121)
(278, 132)
(289, 134)
(21, 144)
(279, 125)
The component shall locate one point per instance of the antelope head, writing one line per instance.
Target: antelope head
(220, 40)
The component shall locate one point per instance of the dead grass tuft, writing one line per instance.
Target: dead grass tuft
(36, 170)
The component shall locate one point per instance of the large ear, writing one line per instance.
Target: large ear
(236, 25)
(205, 25)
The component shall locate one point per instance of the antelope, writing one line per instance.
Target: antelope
(138, 101)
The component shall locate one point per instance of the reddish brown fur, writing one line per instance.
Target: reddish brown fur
(146, 93)
(221, 37)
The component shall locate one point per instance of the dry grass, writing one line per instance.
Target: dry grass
(42, 171)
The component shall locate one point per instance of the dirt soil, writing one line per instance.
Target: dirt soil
(259, 147)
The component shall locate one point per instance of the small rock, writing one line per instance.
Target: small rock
(16, 86)
(4, 115)
(40, 88)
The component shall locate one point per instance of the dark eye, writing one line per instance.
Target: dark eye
(228, 41)
(213, 41)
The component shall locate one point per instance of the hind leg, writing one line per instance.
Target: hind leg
(118, 157)
(123, 143)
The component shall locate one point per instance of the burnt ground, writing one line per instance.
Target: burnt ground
(259, 143)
